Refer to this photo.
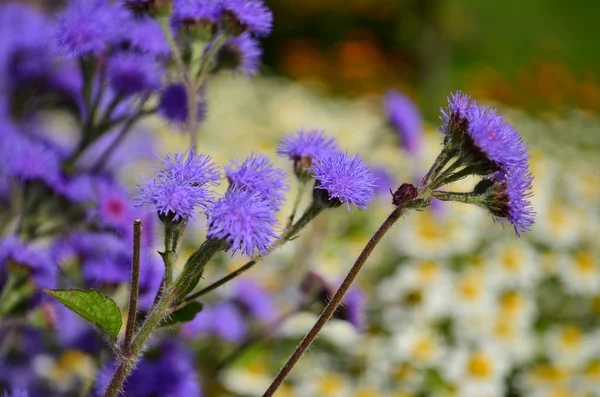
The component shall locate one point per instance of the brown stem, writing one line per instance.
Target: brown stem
(135, 286)
(335, 301)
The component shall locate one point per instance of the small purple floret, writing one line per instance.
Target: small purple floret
(130, 73)
(518, 190)
(258, 175)
(345, 178)
(251, 15)
(173, 105)
(181, 186)
(307, 144)
(242, 54)
(244, 220)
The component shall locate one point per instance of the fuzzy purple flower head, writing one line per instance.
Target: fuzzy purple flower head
(130, 73)
(305, 147)
(193, 15)
(245, 220)
(347, 180)
(181, 186)
(484, 136)
(250, 16)
(258, 175)
(145, 36)
(87, 27)
(173, 105)
(508, 198)
(240, 54)
(405, 117)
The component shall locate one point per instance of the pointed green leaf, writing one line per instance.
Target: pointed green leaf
(93, 306)
(183, 315)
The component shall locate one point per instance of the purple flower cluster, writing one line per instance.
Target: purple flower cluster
(173, 104)
(240, 54)
(491, 147)
(181, 186)
(347, 180)
(36, 261)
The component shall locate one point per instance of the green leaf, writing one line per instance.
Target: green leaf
(93, 306)
(183, 315)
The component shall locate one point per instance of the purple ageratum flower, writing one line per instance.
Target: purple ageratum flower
(181, 186)
(168, 371)
(195, 170)
(490, 138)
(244, 220)
(174, 107)
(306, 146)
(255, 300)
(130, 73)
(27, 160)
(346, 179)
(87, 27)
(145, 36)
(257, 174)
(194, 13)
(404, 115)
(241, 54)
(510, 199)
(247, 16)
(39, 262)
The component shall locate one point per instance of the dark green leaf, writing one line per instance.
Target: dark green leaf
(183, 315)
(93, 306)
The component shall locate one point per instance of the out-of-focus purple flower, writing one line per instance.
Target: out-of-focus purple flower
(404, 115)
(24, 159)
(15, 252)
(245, 221)
(23, 37)
(347, 180)
(130, 73)
(114, 206)
(353, 308)
(305, 147)
(86, 27)
(510, 199)
(145, 36)
(181, 187)
(223, 321)
(240, 54)
(174, 107)
(168, 371)
(384, 181)
(255, 300)
(258, 175)
(16, 393)
(78, 188)
(192, 14)
(110, 270)
(487, 137)
(247, 16)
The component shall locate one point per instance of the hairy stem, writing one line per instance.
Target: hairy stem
(135, 286)
(333, 305)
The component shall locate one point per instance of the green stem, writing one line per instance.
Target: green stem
(466, 198)
(442, 159)
(161, 309)
(208, 60)
(310, 214)
(335, 301)
(299, 193)
(453, 177)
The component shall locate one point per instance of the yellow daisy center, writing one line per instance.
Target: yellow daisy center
(480, 365)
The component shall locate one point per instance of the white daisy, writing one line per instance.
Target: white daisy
(580, 272)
